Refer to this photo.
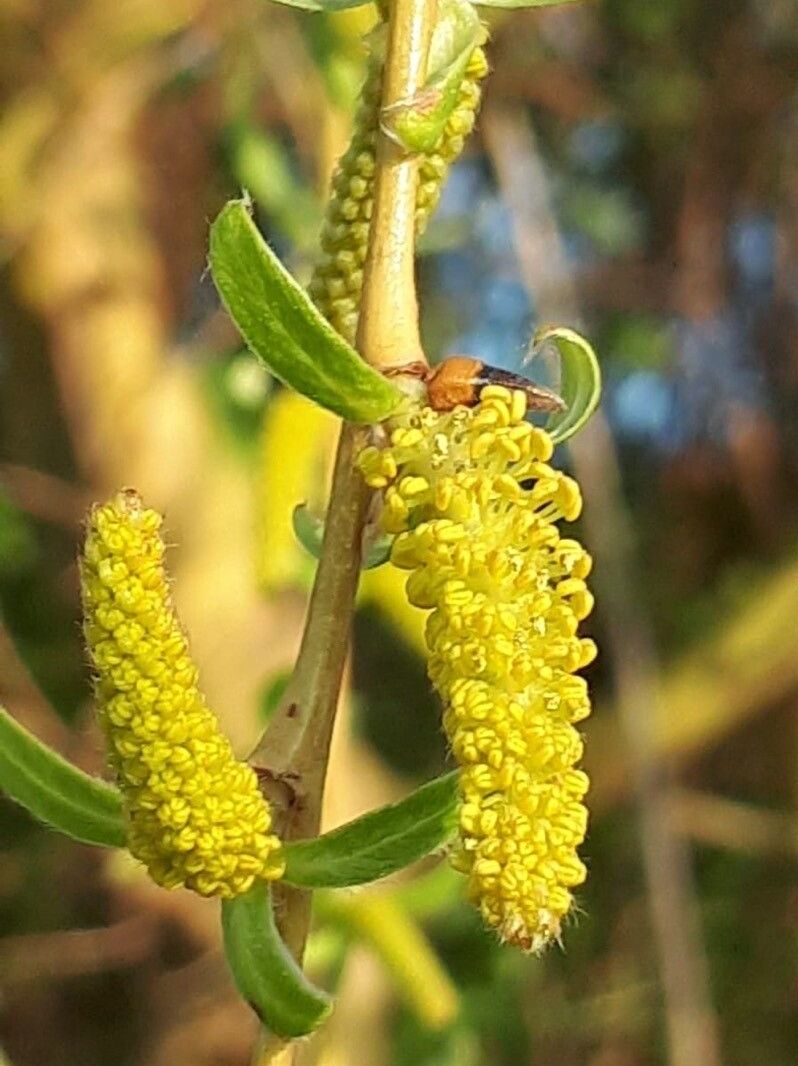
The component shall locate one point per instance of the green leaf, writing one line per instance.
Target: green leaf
(379, 843)
(265, 972)
(580, 380)
(56, 792)
(284, 329)
(418, 123)
(309, 531)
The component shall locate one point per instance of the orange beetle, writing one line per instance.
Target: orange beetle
(460, 379)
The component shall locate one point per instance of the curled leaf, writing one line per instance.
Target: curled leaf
(283, 328)
(309, 530)
(378, 843)
(418, 123)
(264, 970)
(55, 792)
(580, 380)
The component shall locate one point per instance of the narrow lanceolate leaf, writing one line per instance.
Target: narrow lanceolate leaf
(284, 329)
(264, 970)
(379, 843)
(418, 123)
(309, 531)
(580, 380)
(56, 792)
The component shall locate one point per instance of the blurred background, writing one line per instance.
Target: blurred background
(634, 174)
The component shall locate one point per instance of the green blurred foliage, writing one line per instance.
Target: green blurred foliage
(247, 95)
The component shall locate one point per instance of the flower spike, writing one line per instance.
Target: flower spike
(195, 814)
(475, 506)
(337, 281)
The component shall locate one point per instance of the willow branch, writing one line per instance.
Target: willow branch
(388, 326)
(293, 753)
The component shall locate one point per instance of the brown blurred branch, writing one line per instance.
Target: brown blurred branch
(731, 136)
(55, 956)
(733, 825)
(43, 495)
(559, 87)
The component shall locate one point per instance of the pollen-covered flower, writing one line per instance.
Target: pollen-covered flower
(195, 814)
(475, 505)
(337, 282)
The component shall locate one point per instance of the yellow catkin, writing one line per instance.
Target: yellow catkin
(337, 281)
(195, 814)
(475, 505)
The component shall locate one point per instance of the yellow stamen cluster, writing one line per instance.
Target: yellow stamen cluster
(195, 814)
(337, 281)
(475, 504)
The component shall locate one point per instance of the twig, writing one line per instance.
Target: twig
(294, 752)
(43, 495)
(733, 825)
(388, 324)
(54, 956)
(690, 1018)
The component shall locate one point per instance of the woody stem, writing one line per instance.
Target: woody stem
(294, 751)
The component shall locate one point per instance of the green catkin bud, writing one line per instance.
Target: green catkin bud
(337, 280)
(195, 814)
(435, 166)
